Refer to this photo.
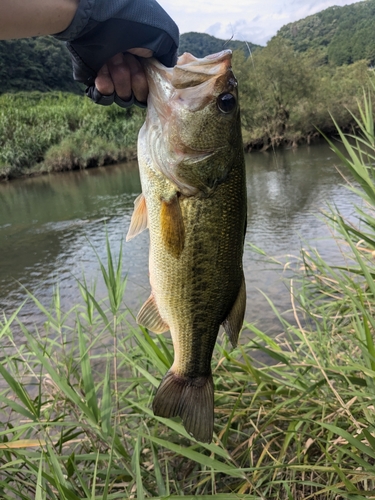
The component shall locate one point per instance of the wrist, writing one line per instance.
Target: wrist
(79, 21)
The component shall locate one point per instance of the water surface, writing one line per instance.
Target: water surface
(51, 228)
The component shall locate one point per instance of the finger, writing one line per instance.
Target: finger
(121, 76)
(141, 52)
(139, 83)
(103, 81)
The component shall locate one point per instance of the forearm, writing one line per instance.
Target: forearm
(25, 18)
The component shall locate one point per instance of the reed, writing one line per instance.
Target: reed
(60, 131)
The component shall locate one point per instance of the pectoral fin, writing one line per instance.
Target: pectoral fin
(150, 318)
(139, 220)
(172, 226)
(233, 324)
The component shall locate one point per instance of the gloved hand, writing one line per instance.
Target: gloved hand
(102, 28)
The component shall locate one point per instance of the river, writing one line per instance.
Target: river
(51, 228)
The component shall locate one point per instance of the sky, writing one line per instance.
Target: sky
(255, 21)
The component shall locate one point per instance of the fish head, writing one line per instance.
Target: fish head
(192, 129)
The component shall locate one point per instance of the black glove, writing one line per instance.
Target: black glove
(102, 28)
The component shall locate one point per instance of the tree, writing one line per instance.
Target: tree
(35, 64)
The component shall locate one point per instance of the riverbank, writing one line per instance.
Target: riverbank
(285, 99)
(55, 131)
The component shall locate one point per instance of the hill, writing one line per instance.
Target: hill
(44, 64)
(41, 63)
(343, 34)
(202, 44)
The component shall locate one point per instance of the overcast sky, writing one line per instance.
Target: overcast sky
(251, 20)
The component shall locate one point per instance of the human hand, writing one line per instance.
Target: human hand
(122, 80)
(101, 40)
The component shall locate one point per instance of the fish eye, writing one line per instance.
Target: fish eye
(226, 102)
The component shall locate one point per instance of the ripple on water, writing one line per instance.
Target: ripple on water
(51, 229)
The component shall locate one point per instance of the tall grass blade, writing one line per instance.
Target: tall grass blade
(106, 405)
(88, 381)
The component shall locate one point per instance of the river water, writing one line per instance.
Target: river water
(51, 228)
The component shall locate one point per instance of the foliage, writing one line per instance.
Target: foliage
(202, 44)
(286, 95)
(345, 33)
(41, 63)
(58, 131)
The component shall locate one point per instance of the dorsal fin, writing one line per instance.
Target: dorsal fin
(139, 220)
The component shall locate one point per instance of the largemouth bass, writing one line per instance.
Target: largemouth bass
(194, 203)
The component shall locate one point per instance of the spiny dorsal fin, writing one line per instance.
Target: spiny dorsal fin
(139, 220)
(172, 226)
(192, 399)
(233, 324)
(150, 318)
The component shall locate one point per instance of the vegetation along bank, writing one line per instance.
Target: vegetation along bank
(288, 91)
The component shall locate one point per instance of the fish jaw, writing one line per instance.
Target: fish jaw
(182, 107)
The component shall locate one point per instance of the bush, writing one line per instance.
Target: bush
(58, 131)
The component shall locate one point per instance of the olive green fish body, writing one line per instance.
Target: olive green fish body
(195, 209)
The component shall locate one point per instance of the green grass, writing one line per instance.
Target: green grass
(284, 97)
(60, 131)
(76, 393)
(78, 422)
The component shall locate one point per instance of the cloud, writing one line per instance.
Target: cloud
(251, 20)
(240, 30)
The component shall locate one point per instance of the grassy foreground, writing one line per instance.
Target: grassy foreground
(75, 396)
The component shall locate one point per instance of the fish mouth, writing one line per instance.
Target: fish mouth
(189, 72)
(182, 102)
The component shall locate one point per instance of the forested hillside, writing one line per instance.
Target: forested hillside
(337, 35)
(342, 34)
(202, 44)
(44, 64)
(41, 63)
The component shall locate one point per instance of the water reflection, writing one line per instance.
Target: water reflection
(51, 227)
(287, 191)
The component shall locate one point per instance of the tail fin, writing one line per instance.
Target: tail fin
(192, 399)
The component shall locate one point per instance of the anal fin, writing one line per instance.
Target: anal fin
(150, 318)
(192, 399)
(233, 323)
(172, 226)
(139, 220)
